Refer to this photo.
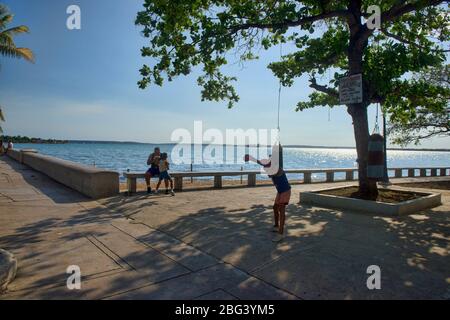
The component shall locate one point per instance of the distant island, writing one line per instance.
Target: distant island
(23, 139)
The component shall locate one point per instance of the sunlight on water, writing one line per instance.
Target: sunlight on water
(133, 156)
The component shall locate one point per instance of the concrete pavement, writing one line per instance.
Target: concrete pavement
(212, 244)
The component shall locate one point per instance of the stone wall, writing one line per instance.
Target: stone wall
(90, 181)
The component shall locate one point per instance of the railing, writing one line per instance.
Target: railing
(307, 175)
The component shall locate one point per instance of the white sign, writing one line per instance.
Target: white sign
(350, 89)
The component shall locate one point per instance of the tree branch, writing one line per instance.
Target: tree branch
(402, 40)
(292, 23)
(324, 89)
(397, 11)
(401, 9)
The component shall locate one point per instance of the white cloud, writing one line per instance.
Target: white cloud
(82, 109)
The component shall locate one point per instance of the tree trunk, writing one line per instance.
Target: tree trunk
(358, 111)
(367, 188)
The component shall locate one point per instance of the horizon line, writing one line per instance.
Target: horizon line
(248, 145)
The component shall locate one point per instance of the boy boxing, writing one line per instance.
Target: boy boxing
(283, 196)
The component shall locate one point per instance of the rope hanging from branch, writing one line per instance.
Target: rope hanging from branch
(376, 128)
(279, 93)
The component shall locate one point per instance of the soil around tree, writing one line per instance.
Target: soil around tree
(441, 185)
(384, 195)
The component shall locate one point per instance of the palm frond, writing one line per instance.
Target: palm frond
(6, 39)
(4, 20)
(3, 9)
(5, 16)
(27, 54)
(16, 30)
(2, 118)
(7, 45)
(19, 53)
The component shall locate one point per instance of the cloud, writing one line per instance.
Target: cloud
(82, 109)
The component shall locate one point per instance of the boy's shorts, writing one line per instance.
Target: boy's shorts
(283, 198)
(164, 176)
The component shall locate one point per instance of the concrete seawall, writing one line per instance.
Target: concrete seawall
(92, 182)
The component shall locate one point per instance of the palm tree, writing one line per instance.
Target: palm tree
(2, 118)
(7, 46)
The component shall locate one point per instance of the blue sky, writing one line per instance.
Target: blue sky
(83, 85)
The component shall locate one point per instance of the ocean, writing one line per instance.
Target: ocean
(133, 156)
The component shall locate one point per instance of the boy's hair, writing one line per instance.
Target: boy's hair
(164, 155)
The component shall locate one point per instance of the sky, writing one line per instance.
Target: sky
(83, 86)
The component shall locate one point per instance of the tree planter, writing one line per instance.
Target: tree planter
(321, 199)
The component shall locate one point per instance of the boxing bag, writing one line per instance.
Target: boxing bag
(375, 160)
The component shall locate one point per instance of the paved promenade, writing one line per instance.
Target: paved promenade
(212, 244)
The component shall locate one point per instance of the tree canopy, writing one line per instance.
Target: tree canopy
(328, 35)
(185, 34)
(426, 113)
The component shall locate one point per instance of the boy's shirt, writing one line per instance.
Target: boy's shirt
(163, 165)
(281, 183)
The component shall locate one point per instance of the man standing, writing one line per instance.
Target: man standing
(153, 171)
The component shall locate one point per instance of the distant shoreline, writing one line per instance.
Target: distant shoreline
(290, 146)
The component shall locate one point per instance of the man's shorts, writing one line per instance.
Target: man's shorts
(164, 176)
(283, 198)
(153, 171)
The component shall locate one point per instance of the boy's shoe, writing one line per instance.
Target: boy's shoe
(277, 238)
(149, 190)
(167, 191)
(172, 193)
(156, 192)
(275, 229)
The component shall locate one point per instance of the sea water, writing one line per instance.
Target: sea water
(133, 156)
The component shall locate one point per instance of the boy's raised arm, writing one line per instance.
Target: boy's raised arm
(265, 163)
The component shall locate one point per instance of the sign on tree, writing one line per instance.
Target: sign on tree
(350, 89)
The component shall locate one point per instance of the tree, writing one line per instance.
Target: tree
(430, 115)
(2, 118)
(7, 45)
(185, 34)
